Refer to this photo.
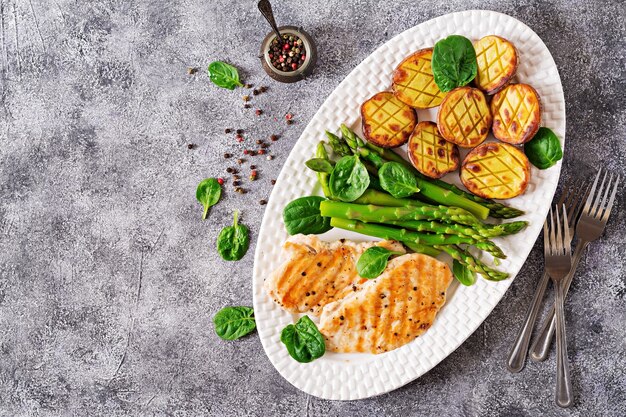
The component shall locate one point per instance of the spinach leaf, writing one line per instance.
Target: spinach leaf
(302, 215)
(544, 149)
(224, 75)
(373, 261)
(234, 322)
(349, 179)
(320, 165)
(397, 180)
(303, 340)
(454, 62)
(463, 274)
(208, 194)
(233, 241)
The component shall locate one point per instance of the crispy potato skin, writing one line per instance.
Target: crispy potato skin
(496, 170)
(431, 154)
(381, 129)
(464, 117)
(504, 60)
(516, 113)
(413, 81)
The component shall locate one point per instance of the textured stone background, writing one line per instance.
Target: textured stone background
(108, 278)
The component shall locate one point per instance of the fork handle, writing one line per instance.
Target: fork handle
(540, 349)
(517, 355)
(563, 395)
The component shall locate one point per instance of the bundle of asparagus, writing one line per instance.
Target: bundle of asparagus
(428, 216)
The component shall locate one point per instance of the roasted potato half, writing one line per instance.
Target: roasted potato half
(387, 121)
(413, 81)
(516, 113)
(496, 170)
(497, 61)
(464, 117)
(431, 154)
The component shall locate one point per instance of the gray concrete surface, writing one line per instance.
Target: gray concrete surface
(108, 278)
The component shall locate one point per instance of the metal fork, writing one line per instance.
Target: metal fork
(590, 227)
(574, 200)
(558, 257)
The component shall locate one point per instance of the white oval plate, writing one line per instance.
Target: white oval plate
(353, 376)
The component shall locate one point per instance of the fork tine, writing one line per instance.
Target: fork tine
(609, 205)
(596, 200)
(546, 238)
(552, 232)
(591, 193)
(567, 243)
(605, 197)
(559, 233)
(564, 195)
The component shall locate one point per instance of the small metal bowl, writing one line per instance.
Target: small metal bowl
(291, 76)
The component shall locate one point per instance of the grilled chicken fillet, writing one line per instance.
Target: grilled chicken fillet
(389, 311)
(316, 273)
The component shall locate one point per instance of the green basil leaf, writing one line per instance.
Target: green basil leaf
(397, 180)
(320, 165)
(234, 322)
(233, 241)
(302, 215)
(349, 179)
(544, 149)
(463, 274)
(303, 340)
(454, 62)
(224, 75)
(208, 194)
(373, 261)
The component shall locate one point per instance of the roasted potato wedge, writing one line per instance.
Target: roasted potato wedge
(431, 154)
(464, 117)
(497, 61)
(516, 113)
(387, 121)
(413, 81)
(496, 170)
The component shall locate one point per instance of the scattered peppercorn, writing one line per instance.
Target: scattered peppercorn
(227, 130)
(258, 112)
(259, 141)
(246, 98)
(236, 177)
(246, 106)
(255, 92)
(273, 182)
(220, 181)
(262, 202)
(251, 153)
(240, 190)
(235, 183)
(226, 155)
(274, 138)
(289, 122)
(248, 85)
(269, 157)
(252, 167)
(239, 131)
(288, 116)
(190, 146)
(241, 161)
(245, 152)
(192, 70)
(263, 89)
(229, 170)
(261, 151)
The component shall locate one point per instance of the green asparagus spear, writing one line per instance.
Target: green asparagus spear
(340, 148)
(472, 263)
(383, 233)
(496, 210)
(426, 250)
(380, 214)
(322, 177)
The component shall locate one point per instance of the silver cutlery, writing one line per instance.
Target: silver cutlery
(590, 227)
(574, 200)
(558, 262)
